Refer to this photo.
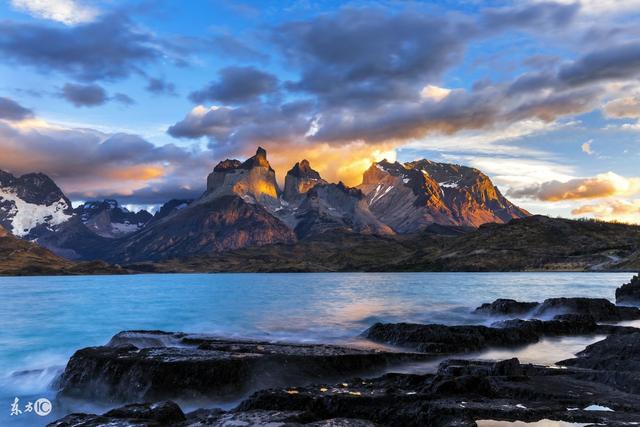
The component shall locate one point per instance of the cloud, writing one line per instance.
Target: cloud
(110, 48)
(586, 147)
(69, 12)
(123, 99)
(612, 210)
(89, 164)
(84, 95)
(91, 95)
(623, 108)
(601, 186)
(11, 110)
(237, 85)
(161, 86)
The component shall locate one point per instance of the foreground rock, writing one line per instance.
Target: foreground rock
(459, 394)
(614, 361)
(629, 293)
(602, 310)
(442, 339)
(150, 365)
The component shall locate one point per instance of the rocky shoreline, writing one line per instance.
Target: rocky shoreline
(282, 384)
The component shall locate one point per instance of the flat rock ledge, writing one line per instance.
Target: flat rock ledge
(600, 309)
(156, 365)
(447, 340)
(459, 394)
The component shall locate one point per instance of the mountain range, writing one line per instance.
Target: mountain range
(243, 210)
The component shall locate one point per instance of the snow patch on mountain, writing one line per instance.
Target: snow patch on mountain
(24, 216)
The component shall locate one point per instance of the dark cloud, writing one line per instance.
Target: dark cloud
(109, 48)
(91, 164)
(11, 110)
(252, 123)
(541, 15)
(84, 95)
(161, 86)
(237, 85)
(369, 55)
(610, 63)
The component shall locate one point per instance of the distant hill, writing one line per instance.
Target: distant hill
(22, 258)
(535, 243)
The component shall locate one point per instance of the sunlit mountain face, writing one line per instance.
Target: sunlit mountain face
(137, 101)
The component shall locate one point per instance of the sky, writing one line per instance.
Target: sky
(138, 100)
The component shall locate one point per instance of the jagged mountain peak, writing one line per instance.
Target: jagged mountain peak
(299, 180)
(107, 218)
(253, 180)
(443, 193)
(303, 169)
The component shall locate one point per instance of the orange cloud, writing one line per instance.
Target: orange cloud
(344, 163)
(136, 173)
(612, 210)
(601, 186)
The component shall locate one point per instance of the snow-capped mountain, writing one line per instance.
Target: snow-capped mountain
(107, 218)
(244, 206)
(31, 204)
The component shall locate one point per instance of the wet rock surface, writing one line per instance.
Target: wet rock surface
(601, 309)
(629, 293)
(601, 386)
(505, 307)
(442, 339)
(139, 365)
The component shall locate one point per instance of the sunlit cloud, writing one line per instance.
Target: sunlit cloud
(601, 186)
(612, 210)
(69, 12)
(586, 147)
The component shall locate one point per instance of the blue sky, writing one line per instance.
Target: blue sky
(139, 100)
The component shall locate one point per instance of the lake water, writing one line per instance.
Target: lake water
(43, 320)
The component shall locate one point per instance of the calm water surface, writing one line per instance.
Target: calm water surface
(44, 319)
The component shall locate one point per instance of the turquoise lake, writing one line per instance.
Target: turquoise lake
(45, 319)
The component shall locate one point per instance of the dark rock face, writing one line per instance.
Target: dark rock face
(411, 196)
(193, 366)
(459, 393)
(171, 207)
(629, 292)
(299, 180)
(615, 353)
(602, 310)
(442, 339)
(138, 414)
(336, 207)
(108, 219)
(204, 227)
(506, 307)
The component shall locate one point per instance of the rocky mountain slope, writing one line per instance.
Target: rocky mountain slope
(409, 197)
(31, 204)
(420, 215)
(108, 219)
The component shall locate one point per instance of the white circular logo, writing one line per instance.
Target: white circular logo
(42, 407)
